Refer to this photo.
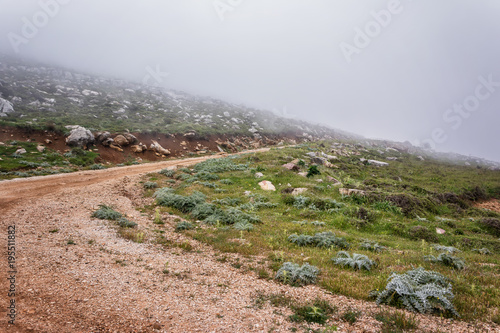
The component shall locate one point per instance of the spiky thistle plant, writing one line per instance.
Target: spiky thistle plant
(356, 261)
(448, 249)
(294, 274)
(446, 260)
(483, 251)
(418, 290)
(372, 246)
(106, 213)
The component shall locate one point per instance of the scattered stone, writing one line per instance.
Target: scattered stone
(138, 148)
(311, 154)
(259, 175)
(440, 231)
(303, 174)
(421, 158)
(108, 142)
(329, 157)
(392, 158)
(350, 191)
(47, 141)
(79, 136)
(291, 166)
(121, 140)
(333, 180)
(115, 147)
(40, 148)
(377, 163)
(130, 138)
(102, 136)
(267, 185)
(155, 146)
(298, 191)
(20, 151)
(319, 160)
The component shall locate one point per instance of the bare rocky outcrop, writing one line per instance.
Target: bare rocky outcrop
(79, 137)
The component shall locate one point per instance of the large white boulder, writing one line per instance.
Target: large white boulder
(79, 136)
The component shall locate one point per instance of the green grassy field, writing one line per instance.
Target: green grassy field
(404, 204)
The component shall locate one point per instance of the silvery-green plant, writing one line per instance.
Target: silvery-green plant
(356, 261)
(418, 290)
(294, 274)
(446, 260)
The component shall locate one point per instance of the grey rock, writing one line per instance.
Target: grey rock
(79, 137)
(377, 163)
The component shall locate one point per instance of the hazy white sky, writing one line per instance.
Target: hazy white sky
(424, 71)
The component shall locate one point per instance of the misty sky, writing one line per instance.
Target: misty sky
(423, 71)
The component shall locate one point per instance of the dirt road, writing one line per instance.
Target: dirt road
(74, 273)
(21, 189)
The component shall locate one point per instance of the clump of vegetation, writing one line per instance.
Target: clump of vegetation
(106, 213)
(419, 232)
(394, 321)
(96, 167)
(446, 260)
(492, 225)
(322, 239)
(150, 185)
(372, 246)
(317, 312)
(183, 203)
(356, 261)
(351, 315)
(294, 274)
(483, 251)
(226, 181)
(207, 176)
(447, 249)
(167, 172)
(184, 225)
(313, 171)
(418, 290)
(243, 226)
(217, 165)
(125, 223)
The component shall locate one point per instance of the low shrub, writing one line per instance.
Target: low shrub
(492, 225)
(322, 239)
(124, 223)
(420, 232)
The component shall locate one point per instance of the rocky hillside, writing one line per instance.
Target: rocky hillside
(37, 96)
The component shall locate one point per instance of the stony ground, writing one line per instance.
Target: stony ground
(105, 283)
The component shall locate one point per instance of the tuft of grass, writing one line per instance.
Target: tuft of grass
(396, 322)
(317, 312)
(351, 315)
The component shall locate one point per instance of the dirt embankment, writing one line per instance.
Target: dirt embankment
(178, 145)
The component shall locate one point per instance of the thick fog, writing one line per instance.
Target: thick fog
(425, 71)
